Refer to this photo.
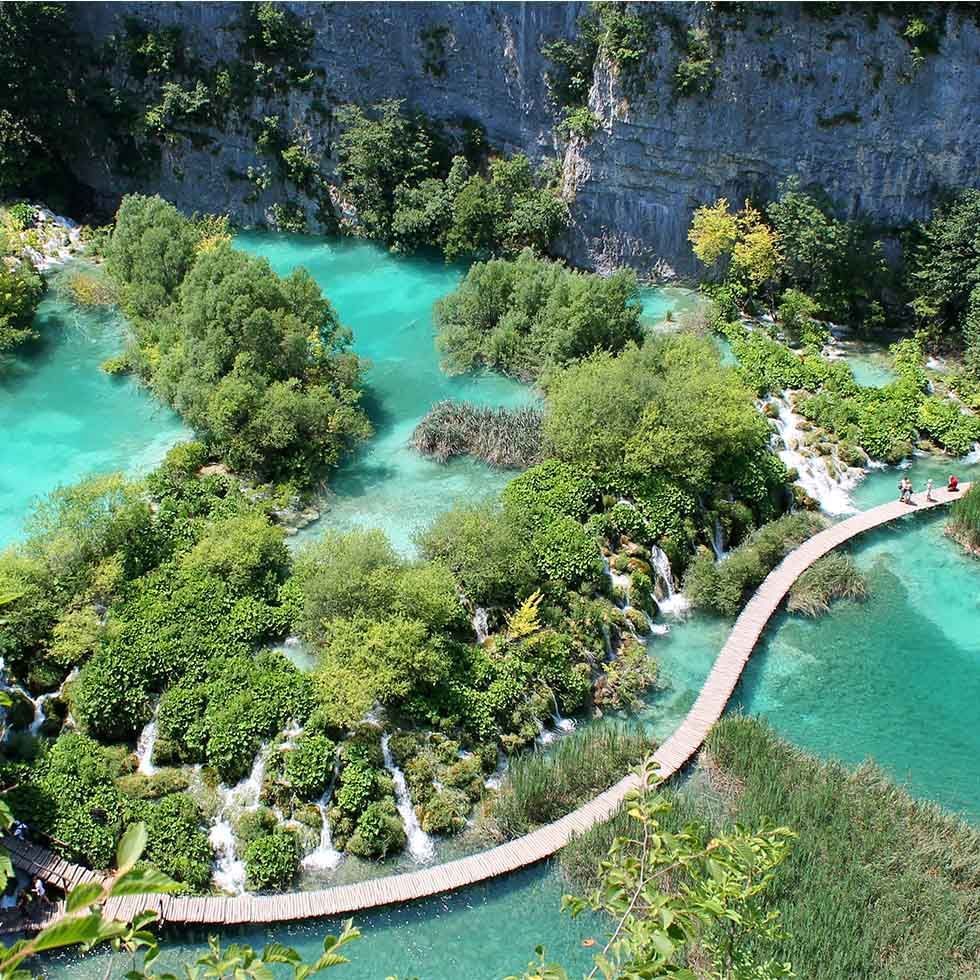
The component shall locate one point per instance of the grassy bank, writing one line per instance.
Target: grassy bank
(877, 885)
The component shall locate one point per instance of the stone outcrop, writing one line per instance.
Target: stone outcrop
(830, 92)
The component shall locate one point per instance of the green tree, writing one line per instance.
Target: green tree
(20, 292)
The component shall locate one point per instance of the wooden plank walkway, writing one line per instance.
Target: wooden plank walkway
(673, 755)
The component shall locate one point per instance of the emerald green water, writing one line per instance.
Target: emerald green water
(388, 302)
(63, 419)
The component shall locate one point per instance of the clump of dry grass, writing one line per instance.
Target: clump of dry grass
(503, 437)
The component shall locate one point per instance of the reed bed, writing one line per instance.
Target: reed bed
(835, 576)
(503, 437)
(877, 885)
(544, 785)
(964, 519)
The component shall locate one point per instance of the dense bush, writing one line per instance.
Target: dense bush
(176, 843)
(550, 490)
(527, 315)
(271, 862)
(504, 437)
(258, 364)
(309, 766)
(20, 292)
(723, 587)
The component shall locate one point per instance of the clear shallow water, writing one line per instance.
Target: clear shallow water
(62, 418)
(896, 677)
(482, 933)
(387, 301)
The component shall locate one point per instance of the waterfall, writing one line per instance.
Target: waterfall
(325, 857)
(564, 726)
(229, 869)
(718, 540)
(495, 778)
(420, 844)
(480, 624)
(832, 494)
(145, 745)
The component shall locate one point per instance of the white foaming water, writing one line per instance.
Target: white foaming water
(480, 624)
(833, 494)
(718, 540)
(673, 602)
(229, 869)
(972, 457)
(495, 778)
(144, 747)
(325, 857)
(420, 844)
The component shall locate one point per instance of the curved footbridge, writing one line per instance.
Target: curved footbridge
(675, 752)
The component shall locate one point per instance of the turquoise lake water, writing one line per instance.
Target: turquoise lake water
(387, 301)
(62, 419)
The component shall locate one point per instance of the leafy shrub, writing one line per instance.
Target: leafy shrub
(567, 552)
(271, 862)
(379, 831)
(526, 315)
(20, 292)
(22, 215)
(723, 587)
(309, 766)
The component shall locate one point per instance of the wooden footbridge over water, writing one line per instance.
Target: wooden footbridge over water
(673, 755)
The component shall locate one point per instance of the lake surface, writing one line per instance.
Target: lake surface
(63, 419)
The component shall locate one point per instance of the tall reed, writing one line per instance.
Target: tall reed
(504, 437)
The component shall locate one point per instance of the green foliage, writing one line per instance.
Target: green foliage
(486, 550)
(309, 766)
(271, 862)
(20, 292)
(528, 315)
(259, 365)
(37, 44)
(723, 587)
(397, 173)
(547, 491)
(379, 831)
(176, 844)
(835, 576)
(684, 895)
(696, 72)
(797, 315)
(567, 552)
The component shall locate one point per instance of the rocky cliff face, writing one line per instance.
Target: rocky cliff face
(837, 98)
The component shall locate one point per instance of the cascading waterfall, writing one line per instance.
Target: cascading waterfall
(145, 745)
(480, 624)
(325, 857)
(718, 540)
(564, 726)
(229, 869)
(833, 494)
(673, 602)
(420, 844)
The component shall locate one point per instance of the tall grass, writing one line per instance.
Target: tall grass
(504, 437)
(877, 886)
(964, 519)
(835, 576)
(545, 785)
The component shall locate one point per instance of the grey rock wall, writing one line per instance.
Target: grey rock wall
(836, 101)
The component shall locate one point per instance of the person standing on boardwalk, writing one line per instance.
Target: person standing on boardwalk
(953, 485)
(929, 495)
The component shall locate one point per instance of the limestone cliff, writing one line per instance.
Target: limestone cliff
(832, 92)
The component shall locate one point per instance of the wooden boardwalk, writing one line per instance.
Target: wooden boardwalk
(675, 752)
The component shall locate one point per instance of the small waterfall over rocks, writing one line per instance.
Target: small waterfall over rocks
(229, 868)
(833, 494)
(481, 625)
(325, 857)
(672, 602)
(145, 745)
(420, 845)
